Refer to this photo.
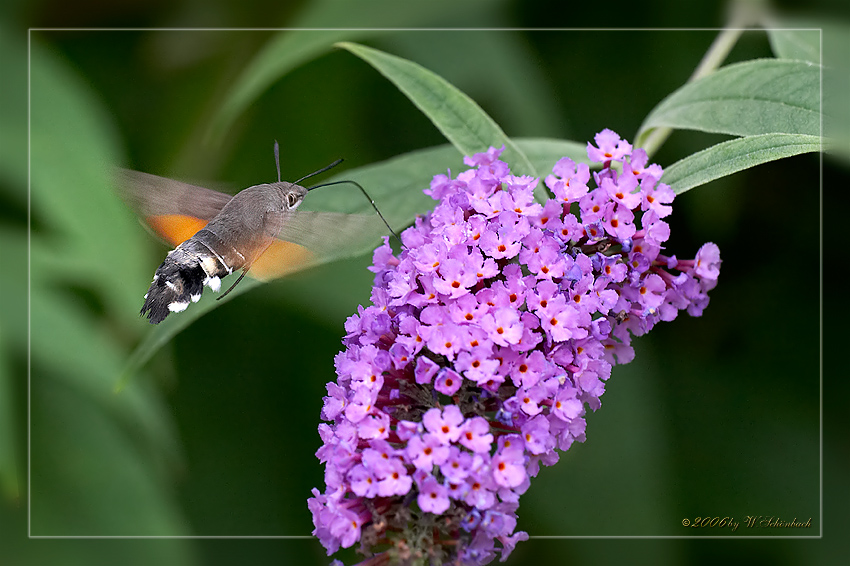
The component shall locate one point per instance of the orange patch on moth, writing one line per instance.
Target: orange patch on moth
(279, 259)
(175, 228)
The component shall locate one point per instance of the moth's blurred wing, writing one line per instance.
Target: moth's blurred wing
(309, 238)
(171, 209)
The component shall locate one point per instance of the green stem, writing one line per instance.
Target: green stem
(713, 58)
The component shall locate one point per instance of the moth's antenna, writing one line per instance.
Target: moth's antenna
(277, 159)
(362, 190)
(322, 170)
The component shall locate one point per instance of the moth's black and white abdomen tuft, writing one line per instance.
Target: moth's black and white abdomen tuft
(180, 279)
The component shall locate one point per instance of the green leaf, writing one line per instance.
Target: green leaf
(457, 116)
(751, 98)
(800, 44)
(733, 156)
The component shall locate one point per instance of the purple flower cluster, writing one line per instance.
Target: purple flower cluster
(488, 337)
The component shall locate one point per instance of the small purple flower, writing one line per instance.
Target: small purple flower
(426, 369)
(445, 425)
(363, 481)
(394, 480)
(454, 278)
(481, 489)
(508, 466)
(609, 147)
(457, 465)
(477, 364)
(448, 382)
(427, 451)
(433, 497)
(567, 406)
(490, 336)
(476, 435)
(503, 326)
(707, 262)
(536, 435)
(569, 182)
(621, 191)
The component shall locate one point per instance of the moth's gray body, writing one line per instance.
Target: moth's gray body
(248, 223)
(232, 240)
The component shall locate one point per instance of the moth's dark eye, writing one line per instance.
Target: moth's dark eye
(291, 200)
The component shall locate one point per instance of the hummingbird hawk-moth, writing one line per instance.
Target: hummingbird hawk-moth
(215, 234)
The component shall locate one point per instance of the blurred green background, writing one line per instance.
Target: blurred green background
(717, 416)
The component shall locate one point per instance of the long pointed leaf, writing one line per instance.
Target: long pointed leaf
(733, 156)
(456, 115)
(745, 99)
